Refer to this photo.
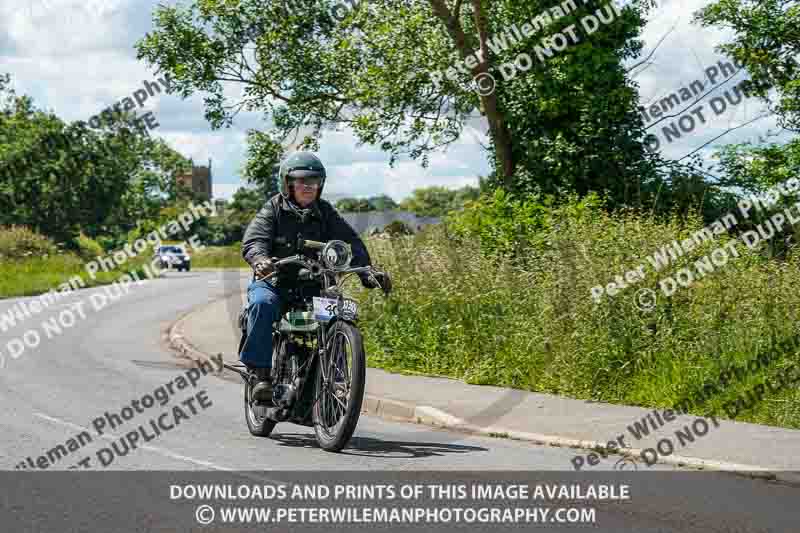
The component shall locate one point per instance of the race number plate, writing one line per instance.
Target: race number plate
(349, 310)
(325, 308)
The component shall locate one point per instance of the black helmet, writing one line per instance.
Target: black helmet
(300, 165)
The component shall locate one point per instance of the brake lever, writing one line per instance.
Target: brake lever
(267, 277)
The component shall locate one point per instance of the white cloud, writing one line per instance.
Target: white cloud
(688, 54)
(225, 190)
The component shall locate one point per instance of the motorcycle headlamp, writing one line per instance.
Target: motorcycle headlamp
(337, 255)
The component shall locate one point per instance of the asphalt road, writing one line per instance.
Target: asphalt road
(115, 355)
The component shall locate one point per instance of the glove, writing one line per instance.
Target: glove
(384, 281)
(368, 283)
(263, 268)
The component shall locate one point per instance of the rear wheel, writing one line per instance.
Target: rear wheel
(256, 413)
(339, 387)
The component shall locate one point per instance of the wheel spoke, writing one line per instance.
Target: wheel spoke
(333, 411)
(344, 407)
(335, 382)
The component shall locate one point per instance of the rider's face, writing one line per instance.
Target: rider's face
(305, 192)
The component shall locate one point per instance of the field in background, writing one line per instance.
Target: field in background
(219, 257)
(31, 264)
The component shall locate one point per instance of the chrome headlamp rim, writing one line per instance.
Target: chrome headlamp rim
(336, 255)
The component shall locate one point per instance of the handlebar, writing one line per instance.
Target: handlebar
(308, 243)
(314, 269)
(310, 269)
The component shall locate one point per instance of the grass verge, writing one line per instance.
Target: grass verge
(532, 324)
(219, 257)
(37, 275)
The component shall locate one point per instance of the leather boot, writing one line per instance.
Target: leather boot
(263, 389)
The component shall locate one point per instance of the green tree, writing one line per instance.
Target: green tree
(374, 203)
(59, 178)
(574, 117)
(766, 40)
(238, 213)
(382, 203)
(264, 155)
(308, 68)
(437, 201)
(152, 186)
(350, 205)
(63, 179)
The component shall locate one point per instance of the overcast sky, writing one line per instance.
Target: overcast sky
(76, 57)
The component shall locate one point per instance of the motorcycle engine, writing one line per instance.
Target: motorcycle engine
(286, 379)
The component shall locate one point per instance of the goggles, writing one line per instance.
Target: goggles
(306, 178)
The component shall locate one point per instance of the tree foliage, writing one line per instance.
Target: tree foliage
(238, 213)
(767, 42)
(63, 179)
(438, 201)
(264, 154)
(569, 124)
(375, 203)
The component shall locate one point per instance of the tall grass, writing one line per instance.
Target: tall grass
(531, 323)
(32, 264)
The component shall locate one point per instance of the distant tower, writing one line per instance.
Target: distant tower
(199, 180)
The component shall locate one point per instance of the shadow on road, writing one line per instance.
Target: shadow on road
(371, 447)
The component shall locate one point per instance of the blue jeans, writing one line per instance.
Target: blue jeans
(264, 307)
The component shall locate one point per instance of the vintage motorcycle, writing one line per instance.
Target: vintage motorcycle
(318, 359)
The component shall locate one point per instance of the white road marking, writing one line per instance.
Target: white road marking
(156, 449)
(170, 454)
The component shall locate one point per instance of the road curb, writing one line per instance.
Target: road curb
(436, 417)
(395, 410)
(183, 348)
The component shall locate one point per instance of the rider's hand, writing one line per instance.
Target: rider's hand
(263, 268)
(378, 279)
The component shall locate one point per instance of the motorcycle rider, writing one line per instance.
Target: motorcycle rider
(296, 212)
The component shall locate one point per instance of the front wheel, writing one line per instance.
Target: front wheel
(339, 387)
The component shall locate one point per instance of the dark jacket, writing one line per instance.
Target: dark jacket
(276, 227)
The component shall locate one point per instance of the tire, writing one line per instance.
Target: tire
(256, 417)
(326, 408)
(188, 268)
